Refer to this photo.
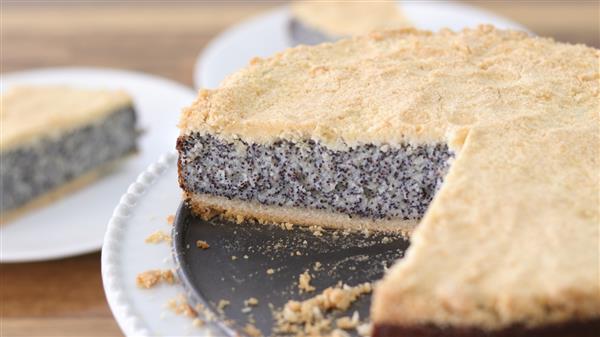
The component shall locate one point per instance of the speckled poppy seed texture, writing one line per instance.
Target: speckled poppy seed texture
(377, 182)
(39, 166)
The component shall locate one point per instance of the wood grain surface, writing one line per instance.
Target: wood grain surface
(65, 297)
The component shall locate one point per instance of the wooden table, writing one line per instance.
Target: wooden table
(65, 297)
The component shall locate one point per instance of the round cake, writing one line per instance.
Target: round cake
(489, 139)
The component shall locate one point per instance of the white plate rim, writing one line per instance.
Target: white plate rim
(122, 309)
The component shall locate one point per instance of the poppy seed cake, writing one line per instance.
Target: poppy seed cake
(488, 138)
(55, 139)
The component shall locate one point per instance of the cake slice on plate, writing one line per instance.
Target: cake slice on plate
(488, 137)
(56, 138)
(321, 21)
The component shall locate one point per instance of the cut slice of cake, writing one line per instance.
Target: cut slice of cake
(314, 22)
(55, 139)
(489, 136)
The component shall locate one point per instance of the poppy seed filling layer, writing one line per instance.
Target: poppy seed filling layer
(48, 162)
(377, 182)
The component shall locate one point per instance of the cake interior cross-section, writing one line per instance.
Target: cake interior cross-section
(376, 182)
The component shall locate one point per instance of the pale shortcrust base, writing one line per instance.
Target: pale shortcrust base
(207, 206)
(62, 190)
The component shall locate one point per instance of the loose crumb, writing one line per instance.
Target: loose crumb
(270, 271)
(287, 226)
(197, 322)
(222, 304)
(150, 278)
(180, 306)
(252, 331)
(304, 282)
(317, 266)
(170, 219)
(168, 276)
(157, 237)
(202, 244)
(316, 230)
(246, 257)
(233, 257)
(339, 333)
(348, 323)
(209, 316)
(364, 329)
(251, 302)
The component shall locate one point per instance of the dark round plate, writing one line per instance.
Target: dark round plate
(235, 266)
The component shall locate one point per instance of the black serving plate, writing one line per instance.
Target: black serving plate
(211, 275)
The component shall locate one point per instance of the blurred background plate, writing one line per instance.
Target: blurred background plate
(268, 33)
(75, 224)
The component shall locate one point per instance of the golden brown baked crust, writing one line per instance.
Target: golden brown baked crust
(346, 18)
(30, 112)
(512, 237)
(209, 206)
(398, 86)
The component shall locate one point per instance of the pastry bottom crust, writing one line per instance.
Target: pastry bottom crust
(568, 329)
(208, 206)
(62, 190)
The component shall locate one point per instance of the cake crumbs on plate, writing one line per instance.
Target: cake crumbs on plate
(270, 271)
(307, 318)
(317, 266)
(209, 316)
(304, 282)
(170, 219)
(202, 244)
(158, 237)
(197, 322)
(252, 331)
(150, 278)
(180, 306)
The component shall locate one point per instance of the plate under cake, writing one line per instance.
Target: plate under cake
(56, 139)
(489, 138)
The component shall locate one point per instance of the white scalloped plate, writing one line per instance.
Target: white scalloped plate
(75, 224)
(267, 34)
(142, 210)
